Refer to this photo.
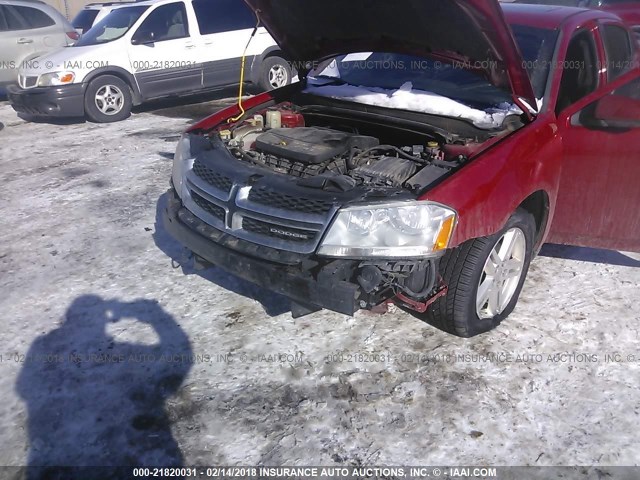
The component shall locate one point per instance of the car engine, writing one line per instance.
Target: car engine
(329, 158)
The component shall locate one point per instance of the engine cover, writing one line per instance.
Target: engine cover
(388, 171)
(310, 145)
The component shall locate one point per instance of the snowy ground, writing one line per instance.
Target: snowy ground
(87, 279)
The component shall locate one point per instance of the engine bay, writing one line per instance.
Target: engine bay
(334, 153)
(296, 165)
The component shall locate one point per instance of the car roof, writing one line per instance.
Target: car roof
(40, 3)
(100, 6)
(149, 2)
(107, 4)
(547, 16)
(51, 11)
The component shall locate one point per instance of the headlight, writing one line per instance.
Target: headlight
(396, 230)
(182, 163)
(56, 78)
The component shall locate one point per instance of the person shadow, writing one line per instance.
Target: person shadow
(95, 401)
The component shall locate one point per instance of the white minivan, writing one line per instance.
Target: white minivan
(147, 50)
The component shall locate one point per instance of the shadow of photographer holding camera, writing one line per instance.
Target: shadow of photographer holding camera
(96, 401)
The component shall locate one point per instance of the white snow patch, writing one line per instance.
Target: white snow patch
(406, 98)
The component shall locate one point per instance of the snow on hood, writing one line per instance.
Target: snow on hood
(406, 98)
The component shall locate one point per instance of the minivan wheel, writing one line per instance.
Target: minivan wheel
(485, 277)
(107, 99)
(275, 73)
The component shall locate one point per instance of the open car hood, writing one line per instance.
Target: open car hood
(473, 32)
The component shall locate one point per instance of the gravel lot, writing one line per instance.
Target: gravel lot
(114, 350)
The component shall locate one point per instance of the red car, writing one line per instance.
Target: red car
(427, 153)
(627, 10)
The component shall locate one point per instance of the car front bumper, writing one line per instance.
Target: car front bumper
(61, 101)
(281, 273)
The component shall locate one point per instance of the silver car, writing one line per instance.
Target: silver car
(29, 28)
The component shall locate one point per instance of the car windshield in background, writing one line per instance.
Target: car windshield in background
(84, 19)
(113, 26)
(391, 71)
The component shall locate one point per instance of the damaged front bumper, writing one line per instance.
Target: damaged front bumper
(311, 282)
(281, 273)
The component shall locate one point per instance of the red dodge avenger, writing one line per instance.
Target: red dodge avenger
(428, 151)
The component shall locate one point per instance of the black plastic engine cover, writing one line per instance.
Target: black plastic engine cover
(310, 145)
(388, 171)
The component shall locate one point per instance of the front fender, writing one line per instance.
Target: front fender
(487, 191)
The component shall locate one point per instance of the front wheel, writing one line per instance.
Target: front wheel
(485, 277)
(107, 99)
(275, 73)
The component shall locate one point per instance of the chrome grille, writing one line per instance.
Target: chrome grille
(258, 214)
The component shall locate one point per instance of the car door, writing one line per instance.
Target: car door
(599, 195)
(163, 54)
(46, 33)
(16, 43)
(599, 165)
(225, 28)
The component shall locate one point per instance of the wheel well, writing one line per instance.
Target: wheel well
(275, 53)
(537, 204)
(134, 91)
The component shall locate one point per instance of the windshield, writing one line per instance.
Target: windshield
(113, 26)
(392, 71)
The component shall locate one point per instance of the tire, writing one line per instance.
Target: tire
(463, 269)
(107, 99)
(275, 72)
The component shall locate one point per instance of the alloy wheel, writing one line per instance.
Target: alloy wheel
(501, 274)
(278, 76)
(109, 99)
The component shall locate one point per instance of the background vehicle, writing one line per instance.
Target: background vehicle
(29, 28)
(628, 10)
(406, 175)
(92, 14)
(150, 50)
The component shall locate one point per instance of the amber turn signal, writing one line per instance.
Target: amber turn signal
(446, 231)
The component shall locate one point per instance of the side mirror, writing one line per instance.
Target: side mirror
(618, 111)
(143, 38)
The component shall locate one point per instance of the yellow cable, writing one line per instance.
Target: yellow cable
(244, 57)
(242, 111)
